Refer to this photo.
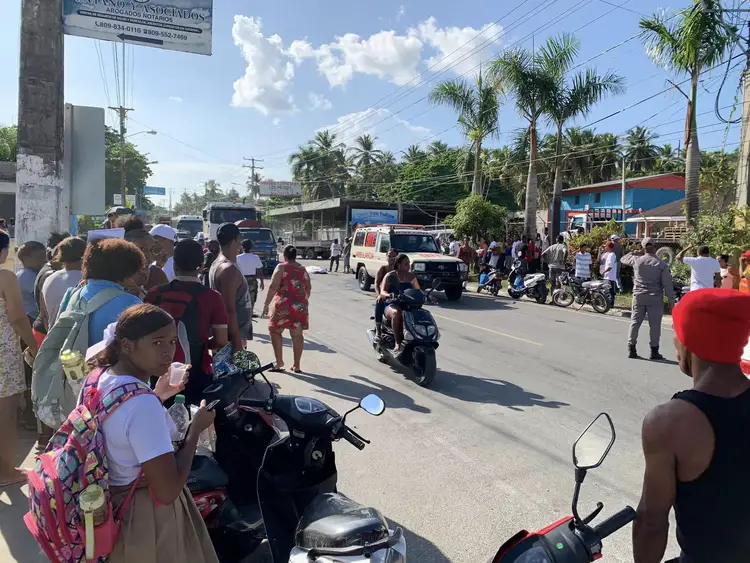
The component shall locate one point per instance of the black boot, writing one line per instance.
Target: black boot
(655, 354)
(632, 353)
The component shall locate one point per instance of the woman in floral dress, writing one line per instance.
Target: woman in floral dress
(14, 326)
(288, 295)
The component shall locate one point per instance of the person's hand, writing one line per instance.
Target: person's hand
(670, 306)
(165, 390)
(380, 298)
(264, 314)
(202, 418)
(262, 285)
(29, 355)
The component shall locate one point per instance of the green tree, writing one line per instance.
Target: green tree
(8, 137)
(137, 170)
(568, 99)
(476, 217)
(477, 108)
(321, 166)
(413, 154)
(641, 151)
(693, 41)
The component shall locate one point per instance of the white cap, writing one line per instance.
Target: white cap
(493, 244)
(614, 237)
(163, 231)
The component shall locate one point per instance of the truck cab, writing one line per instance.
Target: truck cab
(264, 243)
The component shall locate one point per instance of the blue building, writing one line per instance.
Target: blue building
(603, 201)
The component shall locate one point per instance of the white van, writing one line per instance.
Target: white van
(371, 245)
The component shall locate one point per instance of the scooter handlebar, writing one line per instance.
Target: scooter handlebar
(615, 522)
(349, 436)
(255, 371)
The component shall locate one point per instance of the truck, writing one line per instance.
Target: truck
(218, 213)
(316, 246)
(191, 224)
(264, 243)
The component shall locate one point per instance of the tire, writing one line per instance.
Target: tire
(599, 302)
(666, 253)
(454, 293)
(513, 293)
(363, 279)
(563, 297)
(381, 357)
(479, 289)
(541, 295)
(424, 370)
(310, 254)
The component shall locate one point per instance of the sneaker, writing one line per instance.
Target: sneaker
(632, 353)
(655, 355)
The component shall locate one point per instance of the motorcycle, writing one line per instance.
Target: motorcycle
(572, 539)
(493, 281)
(273, 476)
(581, 292)
(421, 337)
(532, 285)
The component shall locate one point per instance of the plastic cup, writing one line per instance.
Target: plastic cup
(176, 373)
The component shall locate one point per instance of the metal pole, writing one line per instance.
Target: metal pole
(624, 187)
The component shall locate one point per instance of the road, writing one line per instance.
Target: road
(486, 450)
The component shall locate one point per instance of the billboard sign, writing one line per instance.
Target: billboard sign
(279, 189)
(175, 25)
(153, 190)
(374, 216)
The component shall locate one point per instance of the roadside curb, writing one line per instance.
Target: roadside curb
(620, 312)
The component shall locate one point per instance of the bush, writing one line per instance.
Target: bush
(723, 233)
(475, 217)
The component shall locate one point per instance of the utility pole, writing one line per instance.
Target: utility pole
(42, 198)
(623, 189)
(743, 163)
(253, 167)
(123, 112)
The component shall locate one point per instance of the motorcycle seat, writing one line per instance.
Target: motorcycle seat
(205, 474)
(595, 283)
(335, 521)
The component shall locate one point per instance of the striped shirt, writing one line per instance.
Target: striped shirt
(583, 265)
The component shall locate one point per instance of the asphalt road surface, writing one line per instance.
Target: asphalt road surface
(486, 450)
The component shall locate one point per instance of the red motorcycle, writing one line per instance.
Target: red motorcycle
(572, 539)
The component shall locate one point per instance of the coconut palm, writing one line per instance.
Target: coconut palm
(641, 150)
(568, 99)
(694, 41)
(669, 160)
(364, 151)
(530, 77)
(477, 106)
(413, 154)
(607, 159)
(437, 147)
(321, 166)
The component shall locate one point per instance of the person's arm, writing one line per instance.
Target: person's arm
(667, 284)
(308, 285)
(43, 314)
(156, 276)
(379, 279)
(273, 288)
(415, 283)
(260, 274)
(219, 322)
(228, 283)
(651, 524)
(628, 259)
(681, 254)
(385, 287)
(16, 315)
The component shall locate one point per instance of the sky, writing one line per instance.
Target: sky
(282, 70)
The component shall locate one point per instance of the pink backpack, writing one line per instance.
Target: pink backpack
(76, 458)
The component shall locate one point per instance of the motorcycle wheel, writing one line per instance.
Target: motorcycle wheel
(599, 303)
(514, 293)
(479, 288)
(425, 366)
(563, 297)
(541, 296)
(381, 356)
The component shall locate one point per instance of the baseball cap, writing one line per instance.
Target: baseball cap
(163, 231)
(614, 237)
(493, 244)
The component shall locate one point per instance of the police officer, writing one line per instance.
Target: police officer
(651, 282)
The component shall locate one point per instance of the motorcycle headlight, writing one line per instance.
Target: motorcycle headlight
(462, 267)
(418, 267)
(421, 330)
(431, 330)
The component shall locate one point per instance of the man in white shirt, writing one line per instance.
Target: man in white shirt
(704, 269)
(583, 263)
(515, 247)
(251, 267)
(453, 246)
(335, 254)
(608, 270)
(164, 236)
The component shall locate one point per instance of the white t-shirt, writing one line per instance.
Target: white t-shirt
(453, 248)
(249, 264)
(583, 265)
(138, 431)
(702, 270)
(609, 260)
(54, 289)
(168, 268)
(335, 250)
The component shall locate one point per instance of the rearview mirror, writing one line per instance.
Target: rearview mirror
(373, 405)
(594, 443)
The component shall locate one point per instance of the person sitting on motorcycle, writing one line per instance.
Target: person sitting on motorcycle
(380, 304)
(394, 283)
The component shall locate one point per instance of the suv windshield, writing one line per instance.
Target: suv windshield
(258, 235)
(413, 243)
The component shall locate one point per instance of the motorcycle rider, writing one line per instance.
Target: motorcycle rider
(394, 283)
(380, 303)
(693, 444)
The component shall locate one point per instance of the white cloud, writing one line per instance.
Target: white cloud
(462, 40)
(276, 121)
(300, 50)
(369, 122)
(319, 102)
(400, 13)
(269, 71)
(176, 99)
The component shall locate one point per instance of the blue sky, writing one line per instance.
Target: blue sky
(282, 70)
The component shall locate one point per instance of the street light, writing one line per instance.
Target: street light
(149, 132)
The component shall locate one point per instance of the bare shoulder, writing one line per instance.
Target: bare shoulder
(668, 422)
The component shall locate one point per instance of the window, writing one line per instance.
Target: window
(414, 243)
(385, 243)
(359, 238)
(597, 197)
(578, 200)
(370, 239)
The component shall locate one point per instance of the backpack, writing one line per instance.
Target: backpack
(52, 396)
(75, 459)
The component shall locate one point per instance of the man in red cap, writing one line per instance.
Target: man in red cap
(696, 445)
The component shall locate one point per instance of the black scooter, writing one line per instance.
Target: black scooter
(421, 337)
(274, 475)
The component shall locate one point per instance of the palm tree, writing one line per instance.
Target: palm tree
(253, 185)
(212, 190)
(364, 151)
(530, 78)
(607, 157)
(477, 106)
(413, 154)
(669, 160)
(689, 44)
(437, 147)
(569, 99)
(640, 149)
(321, 166)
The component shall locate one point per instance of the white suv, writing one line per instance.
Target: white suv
(370, 249)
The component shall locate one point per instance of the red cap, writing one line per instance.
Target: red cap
(713, 324)
(746, 254)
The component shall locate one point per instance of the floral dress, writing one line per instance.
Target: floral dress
(12, 378)
(289, 307)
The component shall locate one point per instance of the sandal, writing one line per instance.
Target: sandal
(277, 369)
(295, 369)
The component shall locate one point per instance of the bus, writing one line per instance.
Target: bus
(216, 214)
(191, 224)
